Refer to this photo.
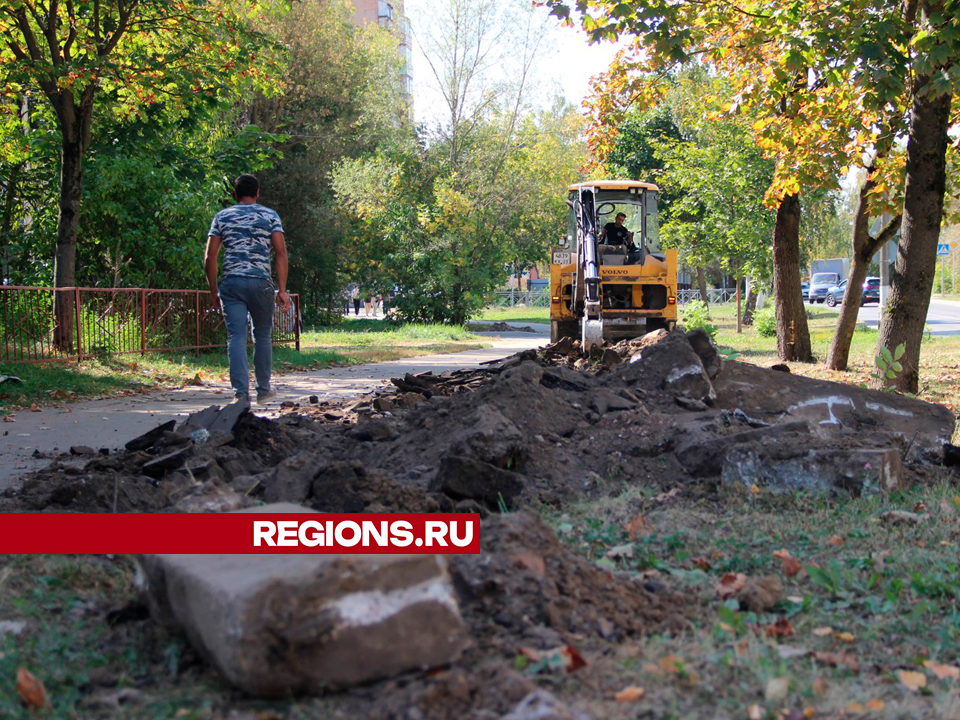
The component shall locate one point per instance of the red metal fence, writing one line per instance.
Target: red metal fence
(39, 324)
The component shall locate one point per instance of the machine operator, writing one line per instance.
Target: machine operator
(614, 233)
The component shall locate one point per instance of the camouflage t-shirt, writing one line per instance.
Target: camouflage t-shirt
(245, 230)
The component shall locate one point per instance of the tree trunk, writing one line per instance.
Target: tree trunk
(793, 336)
(739, 305)
(864, 248)
(751, 305)
(71, 163)
(906, 312)
(702, 285)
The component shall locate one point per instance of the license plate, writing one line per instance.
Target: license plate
(561, 257)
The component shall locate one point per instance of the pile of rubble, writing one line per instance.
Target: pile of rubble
(537, 429)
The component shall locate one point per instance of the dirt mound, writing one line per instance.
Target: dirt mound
(535, 589)
(534, 429)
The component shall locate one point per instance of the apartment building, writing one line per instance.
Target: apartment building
(389, 14)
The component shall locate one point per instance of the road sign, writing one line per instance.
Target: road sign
(943, 249)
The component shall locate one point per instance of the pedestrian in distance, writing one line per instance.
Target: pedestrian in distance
(368, 304)
(248, 231)
(355, 295)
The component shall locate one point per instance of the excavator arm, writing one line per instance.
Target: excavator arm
(591, 320)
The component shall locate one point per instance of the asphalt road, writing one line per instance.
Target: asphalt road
(943, 317)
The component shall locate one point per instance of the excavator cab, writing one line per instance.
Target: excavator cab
(602, 288)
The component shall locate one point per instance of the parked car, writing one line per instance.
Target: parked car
(835, 294)
(804, 290)
(820, 284)
(871, 292)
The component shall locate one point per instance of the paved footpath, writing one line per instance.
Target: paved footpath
(111, 422)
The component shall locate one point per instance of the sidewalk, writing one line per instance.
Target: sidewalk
(111, 422)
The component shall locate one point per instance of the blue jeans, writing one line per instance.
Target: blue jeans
(240, 296)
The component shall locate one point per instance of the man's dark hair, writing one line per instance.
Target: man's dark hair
(620, 215)
(246, 186)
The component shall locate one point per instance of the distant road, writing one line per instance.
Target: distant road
(943, 317)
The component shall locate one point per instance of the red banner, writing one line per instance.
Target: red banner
(239, 533)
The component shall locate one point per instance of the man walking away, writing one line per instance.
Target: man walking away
(248, 231)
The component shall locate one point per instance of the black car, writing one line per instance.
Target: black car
(871, 291)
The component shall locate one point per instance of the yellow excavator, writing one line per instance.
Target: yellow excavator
(610, 278)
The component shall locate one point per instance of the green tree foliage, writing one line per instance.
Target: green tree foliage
(448, 239)
(132, 53)
(482, 190)
(343, 97)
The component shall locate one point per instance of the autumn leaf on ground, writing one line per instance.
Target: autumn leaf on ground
(788, 562)
(34, 407)
(630, 694)
(835, 540)
(844, 637)
(755, 712)
(911, 679)
(31, 690)
(730, 584)
(569, 657)
(780, 629)
(822, 631)
(701, 563)
(838, 660)
(876, 705)
(638, 526)
(943, 672)
(8, 418)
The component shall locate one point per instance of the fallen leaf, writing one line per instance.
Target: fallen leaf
(911, 679)
(8, 418)
(780, 629)
(822, 631)
(920, 507)
(838, 660)
(730, 584)
(31, 690)
(572, 659)
(844, 637)
(630, 694)
(701, 563)
(638, 526)
(34, 407)
(755, 489)
(943, 672)
(755, 712)
(835, 540)
(777, 689)
(662, 497)
(788, 563)
(875, 705)
(671, 664)
(856, 708)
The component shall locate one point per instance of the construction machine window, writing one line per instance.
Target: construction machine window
(640, 209)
